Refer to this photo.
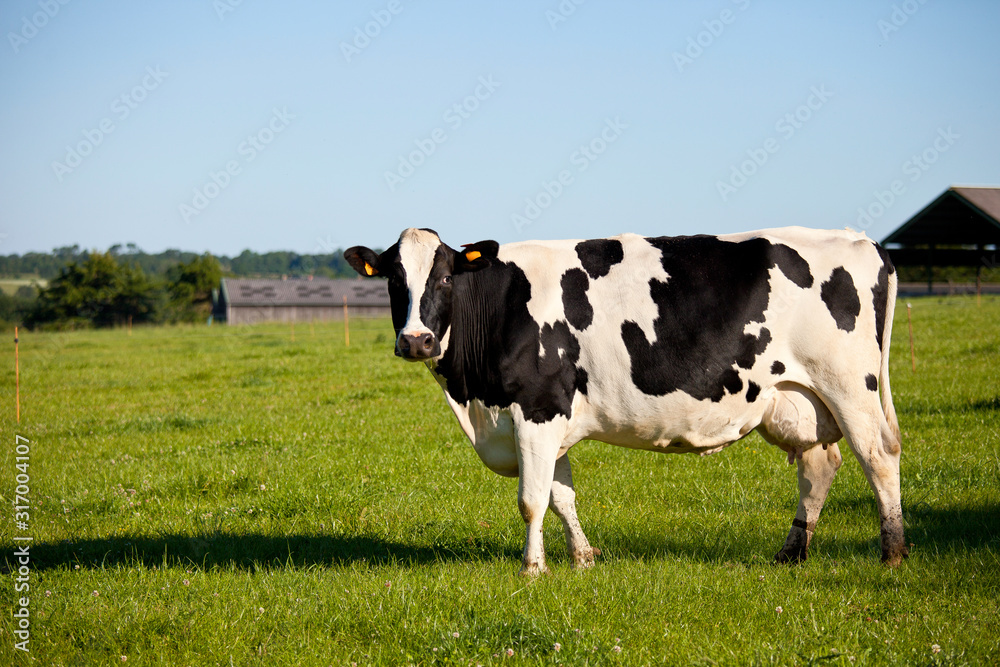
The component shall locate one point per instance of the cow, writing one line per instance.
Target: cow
(669, 344)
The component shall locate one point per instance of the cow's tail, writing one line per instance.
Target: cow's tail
(890, 307)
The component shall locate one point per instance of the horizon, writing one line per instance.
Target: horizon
(307, 128)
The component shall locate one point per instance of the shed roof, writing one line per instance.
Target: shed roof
(302, 292)
(960, 216)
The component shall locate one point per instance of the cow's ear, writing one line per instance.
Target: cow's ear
(476, 256)
(363, 260)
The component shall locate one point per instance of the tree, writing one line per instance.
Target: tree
(97, 291)
(13, 308)
(190, 286)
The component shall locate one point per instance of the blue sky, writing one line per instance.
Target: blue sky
(224, 125)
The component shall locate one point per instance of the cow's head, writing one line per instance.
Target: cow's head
(422, 272)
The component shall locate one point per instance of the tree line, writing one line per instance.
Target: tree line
(121, 285)
(247, 264)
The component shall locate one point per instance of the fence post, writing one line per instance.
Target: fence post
(17, 378)
(347, 327)
(913, 357)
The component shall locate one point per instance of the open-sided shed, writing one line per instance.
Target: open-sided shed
(959, 228)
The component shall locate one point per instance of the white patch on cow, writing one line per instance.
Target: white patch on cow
(541, 261)
(416, 253)
(445, 339)
(630, 288)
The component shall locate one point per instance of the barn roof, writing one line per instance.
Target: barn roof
(960, 216)
(303, 292)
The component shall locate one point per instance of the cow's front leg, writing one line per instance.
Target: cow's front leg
(563, 503)
(537, 448)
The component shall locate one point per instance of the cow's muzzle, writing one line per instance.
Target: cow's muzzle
(418, 347)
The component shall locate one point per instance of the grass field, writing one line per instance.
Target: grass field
(229, 496)
(11, 285)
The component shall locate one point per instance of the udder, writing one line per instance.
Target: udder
(797, 420)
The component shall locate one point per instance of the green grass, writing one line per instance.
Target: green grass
(206, 496)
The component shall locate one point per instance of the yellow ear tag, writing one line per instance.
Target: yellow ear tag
(473, 255)
(369, 270)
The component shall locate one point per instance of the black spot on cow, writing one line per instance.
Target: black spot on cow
(599, 255)
(581, 381)
(871, 382)
(731, 381)
(752, 347)
(792, 265)
(841, 298)
(498, 354)
(753, 391)
(777, 368)
(880, 292)
(715, 289)
(884, 254)
(577, 306)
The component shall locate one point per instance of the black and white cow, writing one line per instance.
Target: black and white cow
(671, 344)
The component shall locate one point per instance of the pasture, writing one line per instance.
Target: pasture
(230, 496)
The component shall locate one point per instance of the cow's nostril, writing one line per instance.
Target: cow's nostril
(419, 346)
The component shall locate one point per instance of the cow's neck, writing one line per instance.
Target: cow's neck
(485, 309)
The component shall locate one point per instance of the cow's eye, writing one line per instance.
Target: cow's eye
(446, 280)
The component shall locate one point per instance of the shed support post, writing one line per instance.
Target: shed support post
(930, 270)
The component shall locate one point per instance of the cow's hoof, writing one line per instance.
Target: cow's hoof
(533, 570)
(585, 559)
(896, 559)
(894, 548)
(791, 556)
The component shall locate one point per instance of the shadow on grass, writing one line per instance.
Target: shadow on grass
(950, 527)
(927, 407)
(929, 524)
(254, 552)
(932, 529)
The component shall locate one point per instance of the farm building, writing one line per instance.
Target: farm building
(252, 300)
(959, 228)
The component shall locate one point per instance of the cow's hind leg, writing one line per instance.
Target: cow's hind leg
(817, 467)
(877, 449)
(563, 503)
